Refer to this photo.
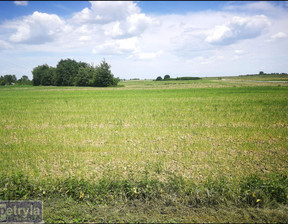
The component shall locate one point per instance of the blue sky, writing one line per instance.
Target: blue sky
(145, 39)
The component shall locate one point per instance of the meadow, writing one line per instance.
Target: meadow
(206, 150)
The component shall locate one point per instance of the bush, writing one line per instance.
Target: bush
(166, 77)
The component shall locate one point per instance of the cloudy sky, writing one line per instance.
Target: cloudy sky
(145, 39)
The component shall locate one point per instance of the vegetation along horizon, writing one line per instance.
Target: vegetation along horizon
(173, 150)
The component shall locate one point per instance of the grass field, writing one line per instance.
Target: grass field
(174, 151)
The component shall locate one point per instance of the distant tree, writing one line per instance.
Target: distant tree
(24, 80)
(261, 73)
(70, 72)
(48, 77)
(159, 78)
(116, 80)
(83, 64)
(43, 75)
(2, 81)
(66, 72)
(104, 76)
(84, 76)
(38, 73)
(166, 77)
(8, 80)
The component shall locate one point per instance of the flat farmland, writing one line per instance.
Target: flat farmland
(179, 151)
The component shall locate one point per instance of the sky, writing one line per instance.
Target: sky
(146, 39)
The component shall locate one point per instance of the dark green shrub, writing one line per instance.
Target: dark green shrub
(159, 78)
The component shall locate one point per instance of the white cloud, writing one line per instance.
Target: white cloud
(85, 38)
(113, 29)
(22, 3)
(279, 35)
(102, 12)
(146, 55)
(239, 52)
(237, 29)
(133, 25)
(137, 23)
(122, 46)
(37, 28)
(219, 33)
(118, 19)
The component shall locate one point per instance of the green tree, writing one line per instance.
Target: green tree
(66, 72)
(2, 81)
(70, 72)
(85, 75)
(159, 78)
(48, 76)
(9, 79)
(103, 76)
(43, 75)
(24, 80)
(166, 77)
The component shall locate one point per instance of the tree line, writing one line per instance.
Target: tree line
(12, 80)
(168, 78)
(283, 74)
(69, 72)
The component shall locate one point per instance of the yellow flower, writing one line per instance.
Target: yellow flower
(81, 195)
(253, 195)
(135, 190)
(258, 200)
(44, 192)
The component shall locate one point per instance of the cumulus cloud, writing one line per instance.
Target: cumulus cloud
(239, 28)
(37, 28)
(135, 24)
(22, 3)
(113, 27)
(118, 19)
(102, 12)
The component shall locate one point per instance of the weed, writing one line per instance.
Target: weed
(255, 190)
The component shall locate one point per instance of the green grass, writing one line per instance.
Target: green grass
(266, 77)
(175, 151)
